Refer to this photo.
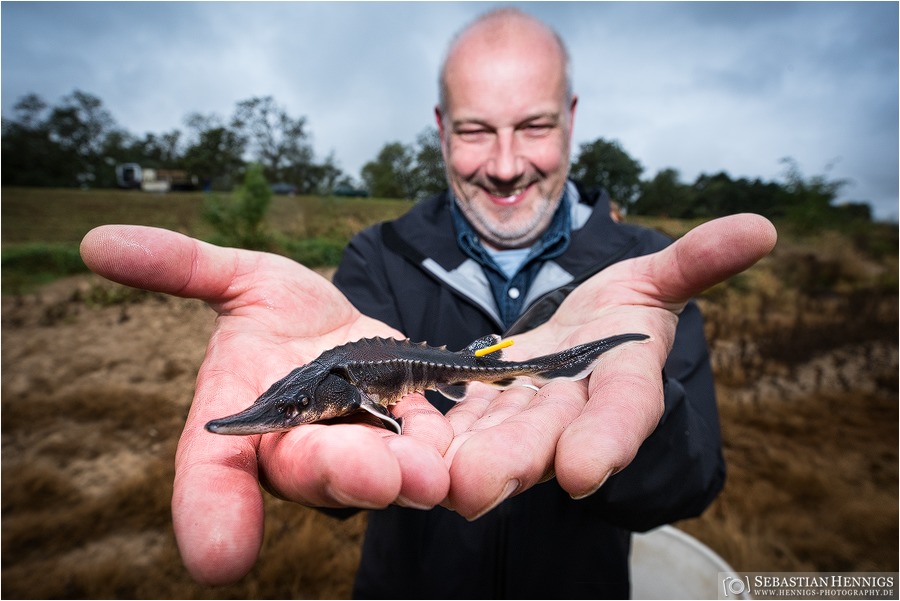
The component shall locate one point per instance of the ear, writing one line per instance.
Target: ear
(439, 119)
(572, 115)
(442, 133)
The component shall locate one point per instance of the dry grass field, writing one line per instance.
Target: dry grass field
(97, 380)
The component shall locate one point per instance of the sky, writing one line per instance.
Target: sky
(697, 87)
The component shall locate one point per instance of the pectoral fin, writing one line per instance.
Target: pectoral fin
(455, 391)
(390, 422)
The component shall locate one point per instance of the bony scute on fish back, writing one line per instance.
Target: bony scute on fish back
(374, 373)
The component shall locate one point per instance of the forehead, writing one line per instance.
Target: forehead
(507, 74)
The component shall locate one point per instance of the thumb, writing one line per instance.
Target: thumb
(711, 253)
(160, 260)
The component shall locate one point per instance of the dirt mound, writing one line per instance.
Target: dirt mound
(98, 379)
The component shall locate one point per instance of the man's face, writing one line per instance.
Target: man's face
(506, 137)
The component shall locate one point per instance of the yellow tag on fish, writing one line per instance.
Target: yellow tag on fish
(493, 348)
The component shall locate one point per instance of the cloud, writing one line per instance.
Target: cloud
(699, 87)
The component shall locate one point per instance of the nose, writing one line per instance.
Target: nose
(505, 164)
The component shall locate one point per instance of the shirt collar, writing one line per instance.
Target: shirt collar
(552, 243)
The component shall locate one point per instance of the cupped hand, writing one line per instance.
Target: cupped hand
(583, 432)
(273, 315)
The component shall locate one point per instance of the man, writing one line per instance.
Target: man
(469, 262)
(537, 492)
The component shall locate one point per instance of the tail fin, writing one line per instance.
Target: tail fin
(577, 362)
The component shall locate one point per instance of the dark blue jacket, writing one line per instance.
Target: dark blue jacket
(541, 543)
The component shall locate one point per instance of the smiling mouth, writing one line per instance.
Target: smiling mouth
(507, 197)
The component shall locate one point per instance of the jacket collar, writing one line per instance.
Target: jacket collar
(422, 228)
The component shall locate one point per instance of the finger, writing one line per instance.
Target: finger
(491, 464)
(217, 509)
(484, 407)
(336, 465)
(423, 422)
(711, 253)
(463, 416)
(359, 465)
(425, 479)
(705, 256)
(624, 407)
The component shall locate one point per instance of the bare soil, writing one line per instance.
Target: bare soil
(97, 381)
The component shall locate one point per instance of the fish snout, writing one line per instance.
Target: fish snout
(264, 416)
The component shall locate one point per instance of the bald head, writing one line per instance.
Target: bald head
(503, 37)
(505, 120)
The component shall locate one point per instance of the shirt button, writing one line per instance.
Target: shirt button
(513, 293)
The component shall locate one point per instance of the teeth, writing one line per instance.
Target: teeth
(511, 196)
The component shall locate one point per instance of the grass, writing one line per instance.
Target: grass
(27, 265)
(812, 484)
(61, 216)
(42, 228)
(99, 378)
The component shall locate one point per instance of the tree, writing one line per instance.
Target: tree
(29, 110)
(809, 201)
(429, 175)
(64, 146)
(29, 157)
(321, 178)
(664, 195)
(274, 139)
(605, 164)
(718, 195)
(162, 151)
(78, 127)
(214, 153)
(714, 195)
(407, 171)
(390, 175)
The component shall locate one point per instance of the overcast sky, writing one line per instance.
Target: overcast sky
(698, 87)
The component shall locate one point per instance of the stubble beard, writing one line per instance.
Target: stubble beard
(507, 228)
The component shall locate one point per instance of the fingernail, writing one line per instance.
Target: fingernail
(404, 502)
(350, 501)
(510, 488)
(596, 488)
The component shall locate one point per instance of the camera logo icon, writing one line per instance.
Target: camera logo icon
(735, 587)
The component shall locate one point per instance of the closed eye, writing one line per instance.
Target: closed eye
(538, 130)
(473, 135)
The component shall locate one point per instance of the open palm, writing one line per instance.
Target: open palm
(274, 315)
(583, 432)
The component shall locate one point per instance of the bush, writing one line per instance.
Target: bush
(31, 264)
(314, 252)
(238, 220)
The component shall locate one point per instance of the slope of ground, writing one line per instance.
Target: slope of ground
(97, 381)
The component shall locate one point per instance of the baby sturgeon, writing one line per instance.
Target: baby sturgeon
(374, 373)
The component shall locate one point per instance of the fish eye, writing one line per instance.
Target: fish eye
(304, 401)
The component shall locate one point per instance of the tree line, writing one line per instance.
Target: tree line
(77, 143)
